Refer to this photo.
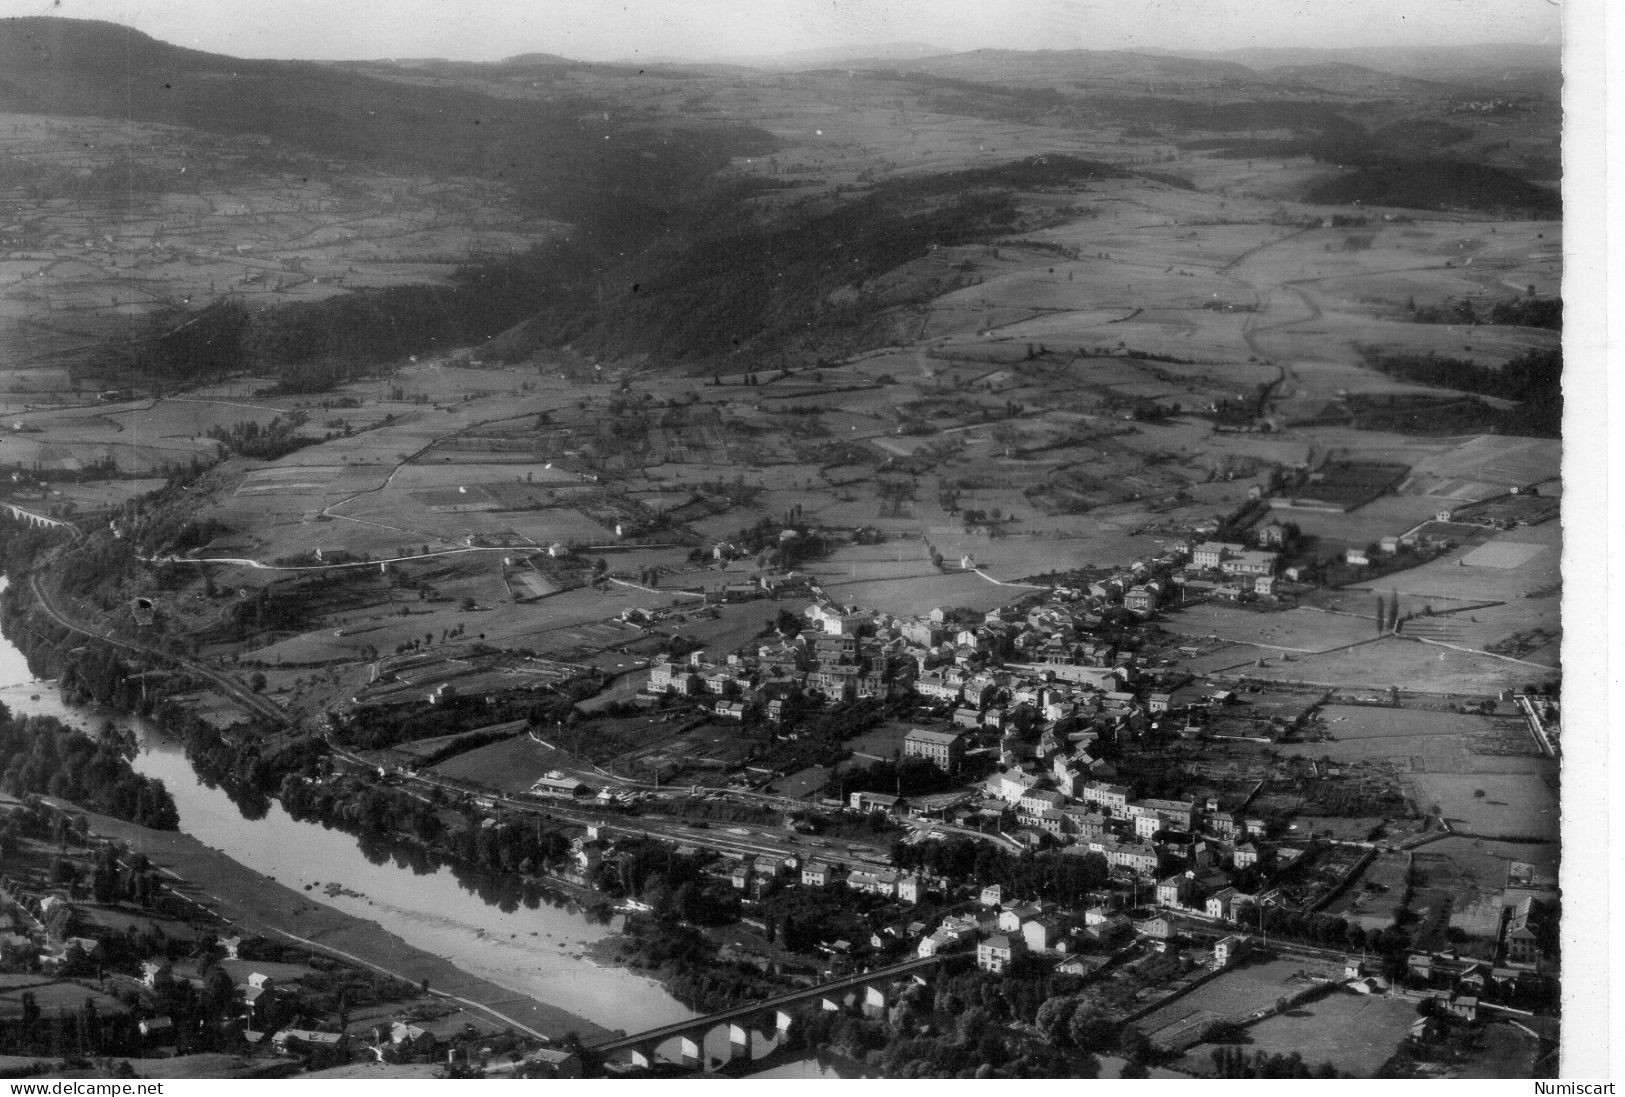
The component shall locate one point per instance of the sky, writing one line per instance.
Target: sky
(602, 30)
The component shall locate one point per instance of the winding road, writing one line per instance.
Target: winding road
(233, 689)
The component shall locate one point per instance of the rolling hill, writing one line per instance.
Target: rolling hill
(617, 176)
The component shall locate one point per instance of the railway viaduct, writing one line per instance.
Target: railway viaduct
(23, 514)
(872, 990)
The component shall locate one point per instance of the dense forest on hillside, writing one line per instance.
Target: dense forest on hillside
(694, 295)
(1437, 185)
(1533, 379)
(310, 346)
(699, 296)
(1234, 116)
(1525, 312)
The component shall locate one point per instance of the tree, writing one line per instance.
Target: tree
(1054, 1020)
(990, 1048)
(219, 995)
(1091, 1030)
(257, 682)
(1134, 1046)
(31, 1012)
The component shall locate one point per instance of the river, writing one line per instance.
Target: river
(536, 952)
(539, 953)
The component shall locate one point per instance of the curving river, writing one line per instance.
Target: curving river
(536, 952)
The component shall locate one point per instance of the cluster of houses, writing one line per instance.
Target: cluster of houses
(1040, 688)
(54, 935)
(843, 654)
(1234, 571)
(1003, 931)
(1036, 686)
(1459, 986)
(40, 929)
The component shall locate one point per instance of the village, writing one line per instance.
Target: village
(1027, 730)
(504, 601)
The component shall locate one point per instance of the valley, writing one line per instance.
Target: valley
(1104, 503)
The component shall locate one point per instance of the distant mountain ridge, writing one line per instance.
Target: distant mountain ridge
(615, 175)
(1063, 67)
(837, 56)
(1517, 68)
(538, 59)
(1125, 72)
(1401, 60)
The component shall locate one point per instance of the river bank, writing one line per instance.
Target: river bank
(523, 963)
(257, 904)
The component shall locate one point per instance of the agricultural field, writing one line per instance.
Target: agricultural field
(1471, 876)
(197, 216)
(1482, 858)
(922, 591)
(1482, 774)
(1521, 806)
(1356, 1033)
(1393, 660)
(1377, 895)
(1425, 740)
(1488, 465)
(510, 766)
(1387, 516)
(52, 995)
(453, 463)
(1297, 631)
(1251, 985)
(1517, 563)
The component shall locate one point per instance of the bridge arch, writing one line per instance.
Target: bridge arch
(870, 992)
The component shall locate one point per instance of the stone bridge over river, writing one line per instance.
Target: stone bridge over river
(873, 990)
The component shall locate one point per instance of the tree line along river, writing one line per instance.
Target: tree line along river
(540, 952)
